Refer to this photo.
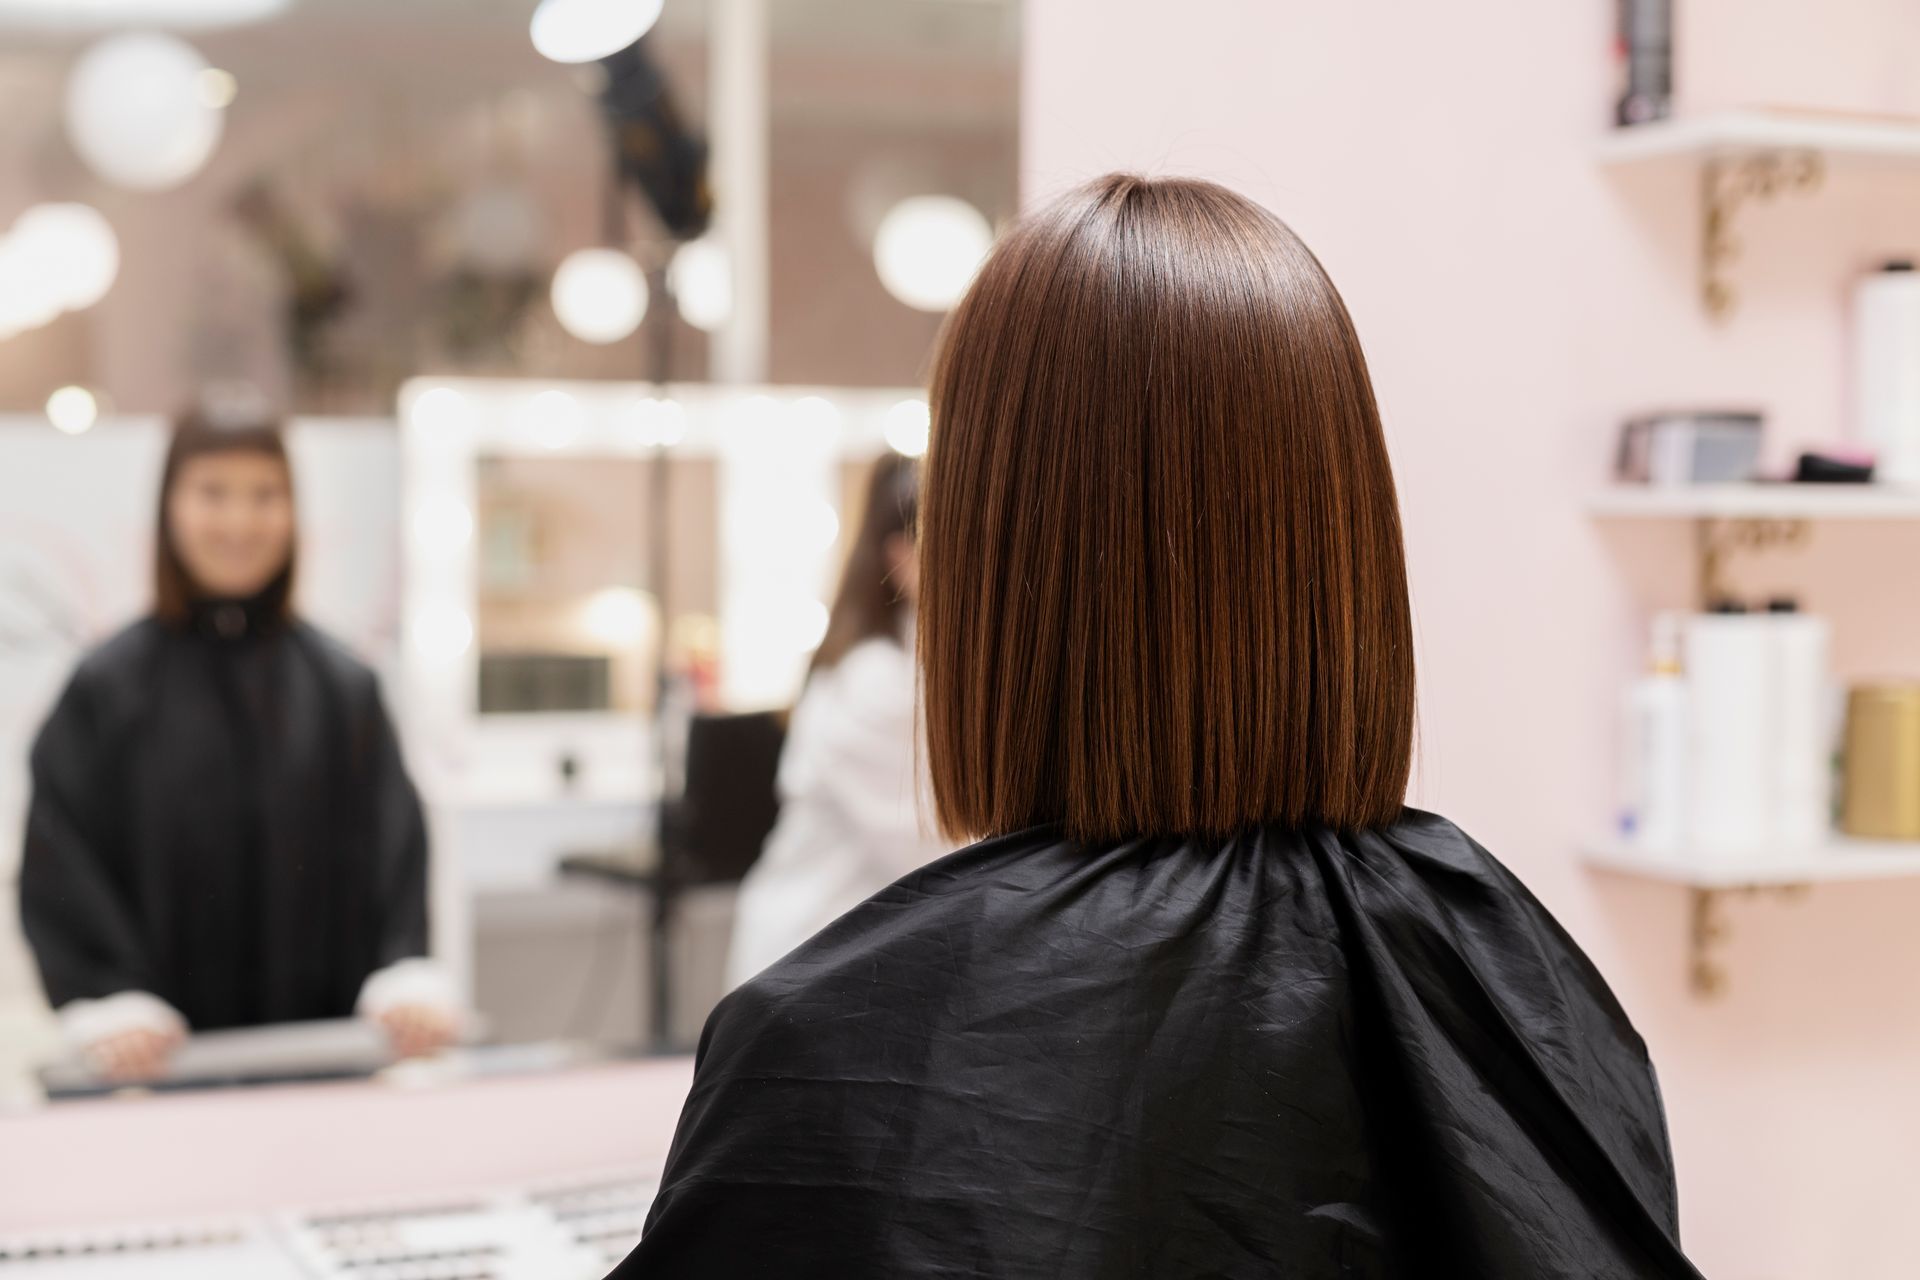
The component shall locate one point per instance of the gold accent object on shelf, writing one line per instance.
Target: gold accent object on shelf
(1726, 184)
(1882, 762)
(1715, 541)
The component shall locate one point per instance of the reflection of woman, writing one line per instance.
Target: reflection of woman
(221, 832)
(850, 823)
(1207, 1000)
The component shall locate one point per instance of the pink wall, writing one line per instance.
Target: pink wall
(1515, 299)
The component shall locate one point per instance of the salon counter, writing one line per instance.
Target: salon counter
(227, 1154)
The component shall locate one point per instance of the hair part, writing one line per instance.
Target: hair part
(197, 434)
(869, 601)
(1163, 584)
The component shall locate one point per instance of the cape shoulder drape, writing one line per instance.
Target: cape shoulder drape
(1291, 1053)
(225, 822)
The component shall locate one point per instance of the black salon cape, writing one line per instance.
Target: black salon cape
(223, 821)
(1290, 1054)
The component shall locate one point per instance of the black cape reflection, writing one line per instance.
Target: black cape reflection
(1295, 1054)
(220, 817)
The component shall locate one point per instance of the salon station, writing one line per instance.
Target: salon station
(460, 473)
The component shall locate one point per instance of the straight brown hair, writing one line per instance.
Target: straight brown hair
(1163, 589)
(869, 602)
(196, 434)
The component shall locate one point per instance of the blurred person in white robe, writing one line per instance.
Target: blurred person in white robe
(854, 812)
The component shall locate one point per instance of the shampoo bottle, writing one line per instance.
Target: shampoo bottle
(1655, 768)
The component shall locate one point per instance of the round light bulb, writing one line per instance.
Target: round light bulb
(72, 410)
(655, 423)
(557, 419)
(440, 409)
(907, 427)
(136, 113)
(928, 248)
(75, 246)
(618, 617)
(86, 14)
(31, 290)
(818, 419)
(600, 295)
(669, 423)
(442, 526)
(444, 633)
(810, 619)
(818, 525)
(218, 88)
(701, 274)
(589, 30)
(751, 423)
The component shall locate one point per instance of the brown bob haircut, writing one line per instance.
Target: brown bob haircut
(197, 434)
(1163, 589)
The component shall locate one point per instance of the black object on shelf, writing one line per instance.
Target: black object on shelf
(1820, 468)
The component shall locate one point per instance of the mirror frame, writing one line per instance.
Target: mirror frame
(779, 449)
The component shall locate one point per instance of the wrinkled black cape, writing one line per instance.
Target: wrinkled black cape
(1290, 1053)
(223, 821)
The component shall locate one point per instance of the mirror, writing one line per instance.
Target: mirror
(543, 537)
(560, 514)
(565, 620)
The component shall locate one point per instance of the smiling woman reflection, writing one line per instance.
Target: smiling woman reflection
(222, 833)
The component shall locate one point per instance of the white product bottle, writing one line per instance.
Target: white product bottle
(1803, 728)
(1655, 768)
(1886, 371)
(1730, 732)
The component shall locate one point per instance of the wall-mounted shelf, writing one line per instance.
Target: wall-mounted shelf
(1749, 517)
(1741, 158)
(1838, 860)
(1709, 876)
(1747, 156)
(1735, 133)
(1755, 502)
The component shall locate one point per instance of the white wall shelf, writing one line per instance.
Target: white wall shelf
(1709, 877)
(1740, 158)
(1838, 860)
(1748, 156)
(1756, 502)
(1734, 133)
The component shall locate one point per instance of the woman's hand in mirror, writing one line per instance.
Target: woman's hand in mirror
(417, 1030)
(129, 1056)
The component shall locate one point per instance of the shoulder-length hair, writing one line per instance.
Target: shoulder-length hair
(1163, 589)
(195, 435)
(869, 602)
